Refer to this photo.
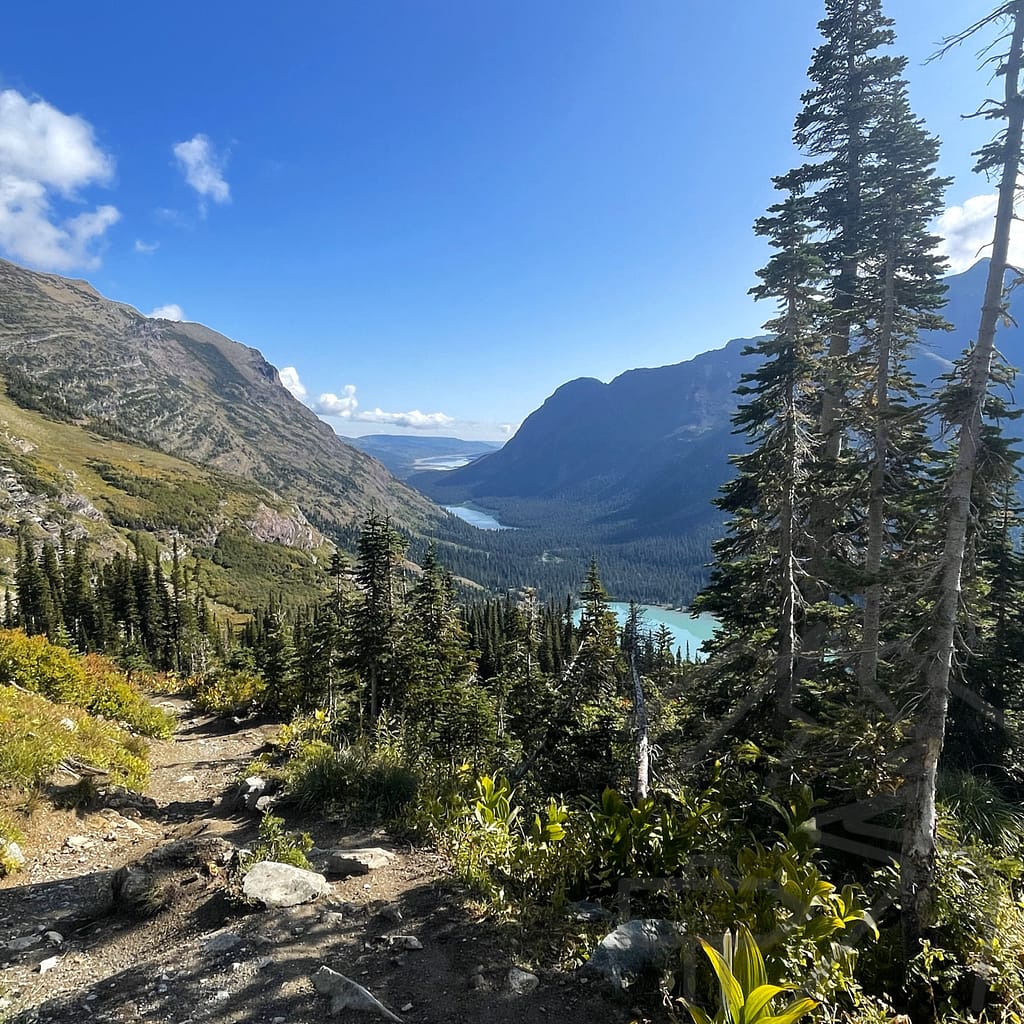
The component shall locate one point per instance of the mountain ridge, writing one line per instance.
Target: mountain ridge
(185, 389)
(626, 469)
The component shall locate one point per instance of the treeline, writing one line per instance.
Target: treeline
(869, 581)
(552, 553)
(128, 606)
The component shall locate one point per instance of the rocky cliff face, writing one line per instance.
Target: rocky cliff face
(184, 389)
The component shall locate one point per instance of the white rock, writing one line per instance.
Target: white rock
(281, 885)
(11, 853)
(635, 947)
(405, 942)
(54, 938)
(48, 963)
(522, 982)
(347, 994)
(358, 861)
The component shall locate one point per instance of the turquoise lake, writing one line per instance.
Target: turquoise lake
(686, 629)
(481, 520)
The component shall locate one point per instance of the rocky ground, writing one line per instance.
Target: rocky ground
(403, 931)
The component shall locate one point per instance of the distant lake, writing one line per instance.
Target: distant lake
(686, 628)
(444, 461)
(481, 520)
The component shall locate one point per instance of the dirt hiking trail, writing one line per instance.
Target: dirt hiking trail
(67, 956)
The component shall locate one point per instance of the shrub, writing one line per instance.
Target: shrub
(514, 861)
(977, 942)
(38, 735)
(91, 682)
(228, 692)
(274, 843)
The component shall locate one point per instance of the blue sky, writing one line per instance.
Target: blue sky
(434, 212)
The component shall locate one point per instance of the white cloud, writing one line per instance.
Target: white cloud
(146, 248)
(508, 429)
(290, 379)
(46, 154)
(346, 407)
(203, 168)
(172, 311)
(966, 232)
(414, 419)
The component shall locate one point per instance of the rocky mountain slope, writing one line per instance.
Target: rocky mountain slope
(61, 479)
(186, 390)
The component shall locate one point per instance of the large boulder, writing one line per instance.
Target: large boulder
(635, 948)
(358, 861)
(281, 885)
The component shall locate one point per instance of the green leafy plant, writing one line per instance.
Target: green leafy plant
(652, 837)
(746, 996)
(276, 844)
(512, 859)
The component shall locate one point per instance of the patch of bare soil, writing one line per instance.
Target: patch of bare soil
(69, 955)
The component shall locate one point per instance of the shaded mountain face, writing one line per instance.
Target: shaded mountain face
(183, 388)
(638, 461)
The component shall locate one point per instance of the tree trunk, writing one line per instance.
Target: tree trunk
(785, 661)
(918, 855)
(867, 668)
(643, 738)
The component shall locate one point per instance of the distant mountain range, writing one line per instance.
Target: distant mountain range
(404, 455)
(115, 423)
(627, 470)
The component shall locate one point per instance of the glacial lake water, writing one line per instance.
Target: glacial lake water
(686, 628)
(444, 462)
(481, 520)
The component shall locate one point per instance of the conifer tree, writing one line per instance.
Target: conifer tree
(852, 83)
(902, 288)
(757, 586)
(964, 404)
(376, 618)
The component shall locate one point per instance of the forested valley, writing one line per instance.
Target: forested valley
(821, 816)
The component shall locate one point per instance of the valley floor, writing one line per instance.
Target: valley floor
(67, 957)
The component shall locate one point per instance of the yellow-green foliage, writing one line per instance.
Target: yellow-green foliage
(745, 995)
(92, 683)
(38, 735)
(230, 692)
